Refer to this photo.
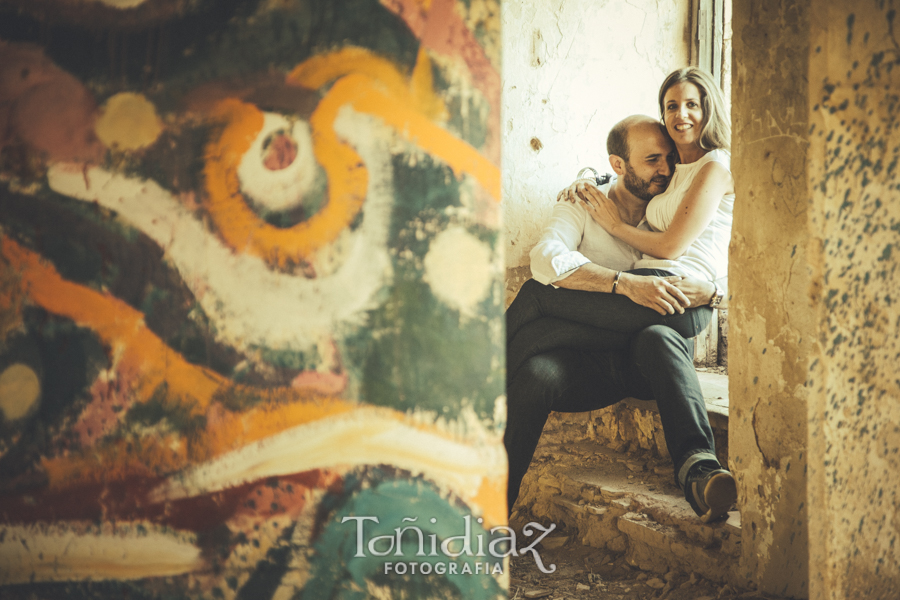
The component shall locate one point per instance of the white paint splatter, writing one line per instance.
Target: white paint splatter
(366, 436)
(61, 553)
(458, 268)
(248, 303)
(285, 188)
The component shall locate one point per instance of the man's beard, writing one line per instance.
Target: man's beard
(641, 187)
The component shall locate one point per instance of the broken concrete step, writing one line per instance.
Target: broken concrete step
(634, 424)
(602, 499)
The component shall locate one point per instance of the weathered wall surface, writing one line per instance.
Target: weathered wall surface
(815, 422)
(771, 325)
(571, 71)
(854, 454)
(250, 285)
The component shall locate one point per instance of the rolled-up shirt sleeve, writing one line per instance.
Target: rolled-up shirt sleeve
(556, 255)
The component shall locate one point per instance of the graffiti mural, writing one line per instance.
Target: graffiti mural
(250, 299)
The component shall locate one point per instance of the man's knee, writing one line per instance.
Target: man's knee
(524, 307)
(531, 396)
(661, 340)
(532, 290)
(530, 285)
(543, 372)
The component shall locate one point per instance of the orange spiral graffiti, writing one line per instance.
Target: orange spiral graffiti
(370, 85)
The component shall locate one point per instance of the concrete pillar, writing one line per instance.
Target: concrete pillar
(854, 222)
(815, 428)
(770, 318)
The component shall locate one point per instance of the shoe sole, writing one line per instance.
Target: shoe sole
(720, 495)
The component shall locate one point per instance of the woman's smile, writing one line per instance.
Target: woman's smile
(684, 113)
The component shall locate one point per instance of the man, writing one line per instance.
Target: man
(576, 253)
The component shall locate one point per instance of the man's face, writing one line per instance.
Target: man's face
(651, 161)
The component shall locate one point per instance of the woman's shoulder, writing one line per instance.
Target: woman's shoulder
(719, 155)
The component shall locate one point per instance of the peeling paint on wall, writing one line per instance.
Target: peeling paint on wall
(572, 70)
(249, 286)
(855, 219)
(769, 316)
(814, 328)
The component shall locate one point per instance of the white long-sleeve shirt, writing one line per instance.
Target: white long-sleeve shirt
(572, 238)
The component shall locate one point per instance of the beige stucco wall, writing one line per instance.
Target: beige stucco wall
(854, 464)
(571, 70)
(815, 418)
(770, 318)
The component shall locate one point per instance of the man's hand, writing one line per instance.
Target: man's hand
(698, 291)
(574, 191)
(659, 293)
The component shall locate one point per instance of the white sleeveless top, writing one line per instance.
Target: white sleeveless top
(707, 257)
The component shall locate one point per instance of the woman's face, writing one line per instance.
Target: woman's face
(683, 113)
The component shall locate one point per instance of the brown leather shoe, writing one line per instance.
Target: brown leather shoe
(711, 492)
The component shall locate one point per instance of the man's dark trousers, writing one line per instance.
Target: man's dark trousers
(658, 365)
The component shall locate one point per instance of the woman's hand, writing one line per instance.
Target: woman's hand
(698, 291)
(658, 293)
(694, 214)
(603, 210)
(572, 193)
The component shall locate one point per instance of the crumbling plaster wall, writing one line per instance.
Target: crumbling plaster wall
(815, 423)
(570, 72)
(854, 454)
(770, 317)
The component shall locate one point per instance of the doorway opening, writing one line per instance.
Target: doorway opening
(575, 71)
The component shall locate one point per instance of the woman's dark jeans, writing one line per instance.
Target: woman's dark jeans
(543, 318)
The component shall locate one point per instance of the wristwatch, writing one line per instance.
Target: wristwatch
(716, 299)
(598, 178)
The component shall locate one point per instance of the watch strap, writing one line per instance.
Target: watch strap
(716, 297)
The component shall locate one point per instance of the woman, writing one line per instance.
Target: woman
(691, 224)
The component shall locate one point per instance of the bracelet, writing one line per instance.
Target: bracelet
(616, 281)
(592, 170)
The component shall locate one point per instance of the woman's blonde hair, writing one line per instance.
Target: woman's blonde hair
(716, 131)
